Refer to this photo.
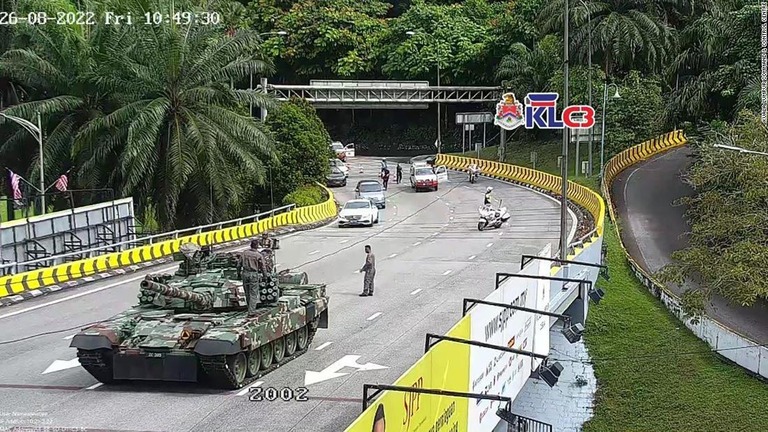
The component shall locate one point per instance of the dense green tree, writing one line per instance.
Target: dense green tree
(181, 134)
(716, 71)
(526, 70)
(302, 147)
(728, 214)
(626, 34)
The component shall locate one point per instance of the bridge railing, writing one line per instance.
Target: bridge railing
(11, 268)
(383, 94)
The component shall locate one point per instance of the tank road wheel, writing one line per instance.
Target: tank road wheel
(238, 368)
(254, 362)
(267, 352)
(290, 344)
(279, 348)
(302, 338)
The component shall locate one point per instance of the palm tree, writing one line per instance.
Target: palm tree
(529, 70)
(715, 72)
(181, 135)
(626, 34)
(53, 71)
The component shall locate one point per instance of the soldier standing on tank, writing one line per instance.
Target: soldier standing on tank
(254, 268)
(370, 272)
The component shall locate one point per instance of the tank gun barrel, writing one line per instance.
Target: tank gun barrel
(197, 298)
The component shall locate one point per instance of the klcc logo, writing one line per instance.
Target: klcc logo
(540, 111)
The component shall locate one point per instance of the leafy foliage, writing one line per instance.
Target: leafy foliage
(306, 196)
(302, 147)
(728, 217)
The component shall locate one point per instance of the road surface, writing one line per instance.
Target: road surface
(653, 228)
(429, 256)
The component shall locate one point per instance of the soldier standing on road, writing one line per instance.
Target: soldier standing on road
(399, 177)
(370, 272)
(385, 178)
(254, 267)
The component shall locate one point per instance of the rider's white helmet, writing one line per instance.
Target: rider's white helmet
(489, 189)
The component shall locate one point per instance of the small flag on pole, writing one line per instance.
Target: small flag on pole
(16, 185)
(61, 183)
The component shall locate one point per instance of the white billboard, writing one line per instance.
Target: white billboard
(498, 372)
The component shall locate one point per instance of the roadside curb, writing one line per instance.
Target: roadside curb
(26, 295)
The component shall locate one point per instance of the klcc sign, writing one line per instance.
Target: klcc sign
(540, 112)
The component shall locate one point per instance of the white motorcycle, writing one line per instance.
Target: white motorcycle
(490, 217)
(473, 174)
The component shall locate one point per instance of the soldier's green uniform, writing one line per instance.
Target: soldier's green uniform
(254, 267)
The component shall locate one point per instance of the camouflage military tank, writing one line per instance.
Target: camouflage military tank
(194, 326)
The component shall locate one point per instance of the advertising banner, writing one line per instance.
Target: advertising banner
(498, 372)
(445, 366)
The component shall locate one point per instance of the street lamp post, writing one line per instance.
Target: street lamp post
(437, 51)
(602, 127)
(589, 78)
(564, 163)
(37, 132)
(250, 85)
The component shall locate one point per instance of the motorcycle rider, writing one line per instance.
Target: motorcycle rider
(473, 170)
(488, 199)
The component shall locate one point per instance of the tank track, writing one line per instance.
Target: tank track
(219, 375)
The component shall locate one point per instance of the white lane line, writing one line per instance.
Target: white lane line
(374, 316)
(323, 346)
(414, 292)
(245, 391)
(500, 233)
(437, 233)
(69, 337)
(95, 386)
(84, 293)
(472, 257)
(417, 243)
(344, 241)
(489, 245)
(314, 252)
(450, 218)
(393, 255)
(447, 272)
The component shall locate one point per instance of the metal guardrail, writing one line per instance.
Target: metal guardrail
(17, 267)
(525, 424)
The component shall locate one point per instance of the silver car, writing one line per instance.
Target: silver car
(372, 190)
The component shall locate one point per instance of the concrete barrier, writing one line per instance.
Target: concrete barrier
(33, 280)
(729, 343)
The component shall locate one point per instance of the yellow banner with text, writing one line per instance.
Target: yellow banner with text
(445, 367)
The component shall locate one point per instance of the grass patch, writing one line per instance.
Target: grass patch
(653, 373)
(642, 384)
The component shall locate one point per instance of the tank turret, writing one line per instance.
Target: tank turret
(200, 300)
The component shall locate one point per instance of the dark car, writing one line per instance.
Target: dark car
(335, 178)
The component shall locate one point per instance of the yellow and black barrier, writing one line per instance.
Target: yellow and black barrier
(35, 279)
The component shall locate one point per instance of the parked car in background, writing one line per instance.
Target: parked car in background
(358, 212)
(372, 190)
(343, 151)
(341, 166)
(336, 178)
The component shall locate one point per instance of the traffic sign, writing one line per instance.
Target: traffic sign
(474, 118)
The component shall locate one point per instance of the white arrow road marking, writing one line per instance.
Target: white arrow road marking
(245, 391)
(447, 272)
(59, 365)
(332, 371)
(95, 386)
(414, 292)
(323, 346)
(393, 255)
(374, 316)
(472, 257)
(70, 337)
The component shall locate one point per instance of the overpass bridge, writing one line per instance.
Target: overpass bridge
(342, 94)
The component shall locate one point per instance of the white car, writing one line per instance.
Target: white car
(358, 212)
(341, 166)
(424, 177)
